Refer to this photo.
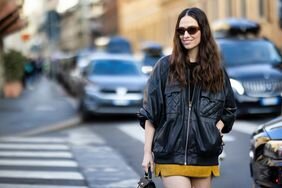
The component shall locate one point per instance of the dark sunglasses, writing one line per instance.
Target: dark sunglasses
(191, 30)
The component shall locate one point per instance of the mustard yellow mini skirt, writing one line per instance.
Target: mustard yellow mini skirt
(186, 170)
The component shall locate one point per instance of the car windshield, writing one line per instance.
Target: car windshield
(248, 52)
(114, 67)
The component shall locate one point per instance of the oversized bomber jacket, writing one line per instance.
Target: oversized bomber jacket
(185, 133)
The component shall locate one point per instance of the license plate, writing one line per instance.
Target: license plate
(121, 102)
(270, 101)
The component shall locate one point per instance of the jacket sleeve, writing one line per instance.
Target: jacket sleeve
(229, 112)
(153, 108)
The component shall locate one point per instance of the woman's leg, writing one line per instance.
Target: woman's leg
(176, 181)
(201, 182)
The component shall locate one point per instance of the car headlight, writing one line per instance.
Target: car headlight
(273, 149)
(147, 69)
(236, 85)
(91, 89)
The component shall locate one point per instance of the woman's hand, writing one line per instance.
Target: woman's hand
(220, 126)
(148, 161)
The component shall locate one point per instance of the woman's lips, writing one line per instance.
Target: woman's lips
(187, 41)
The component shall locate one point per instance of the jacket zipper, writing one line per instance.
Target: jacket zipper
(189, 116)
(187, 133)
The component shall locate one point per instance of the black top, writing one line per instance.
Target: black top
(191, 66)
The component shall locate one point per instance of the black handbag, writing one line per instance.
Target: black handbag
(146, 181)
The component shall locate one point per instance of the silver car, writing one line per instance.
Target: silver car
(113, 84)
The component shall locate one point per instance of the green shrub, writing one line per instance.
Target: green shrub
(13, 65)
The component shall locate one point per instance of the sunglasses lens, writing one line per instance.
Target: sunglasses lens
(192, 30)
(181, 31)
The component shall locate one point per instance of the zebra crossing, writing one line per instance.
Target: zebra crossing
(42, 162)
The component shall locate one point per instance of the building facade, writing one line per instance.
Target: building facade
(155, 20)
(86, 21)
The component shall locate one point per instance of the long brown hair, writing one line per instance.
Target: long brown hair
(209, 74)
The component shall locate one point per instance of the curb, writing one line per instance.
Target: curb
(72, 122)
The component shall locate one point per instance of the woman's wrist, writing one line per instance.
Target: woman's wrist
(147, 151)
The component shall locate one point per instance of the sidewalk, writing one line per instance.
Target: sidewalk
(43, 107)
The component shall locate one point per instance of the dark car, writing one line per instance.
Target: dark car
(114, 84)
(266, 154)
(152, 52)
(254, 66)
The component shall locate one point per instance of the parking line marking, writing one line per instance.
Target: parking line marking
(135, 131)
(245, 127)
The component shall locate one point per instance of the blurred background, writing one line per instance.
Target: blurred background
(72, 75)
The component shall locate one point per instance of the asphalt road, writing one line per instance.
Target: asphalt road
(126, 137)
(105, 152)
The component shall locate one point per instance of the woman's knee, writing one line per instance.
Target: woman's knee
(176, 181)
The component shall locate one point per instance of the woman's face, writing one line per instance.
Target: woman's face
(189, 32)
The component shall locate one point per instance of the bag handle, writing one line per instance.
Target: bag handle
(149, 174)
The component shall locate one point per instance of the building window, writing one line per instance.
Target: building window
(214, 10)
(280, 12)
(263, 9)
(243, 6)
(229, 8)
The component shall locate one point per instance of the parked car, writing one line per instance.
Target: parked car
(254, 66)
(113, 84)
(118, 44)
(152, 52)
(75, 73)
(266, 155)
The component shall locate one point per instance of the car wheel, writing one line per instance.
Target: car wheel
(85, 115)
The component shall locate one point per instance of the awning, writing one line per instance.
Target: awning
(10, 20)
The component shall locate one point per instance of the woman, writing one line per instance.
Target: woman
(188, 104)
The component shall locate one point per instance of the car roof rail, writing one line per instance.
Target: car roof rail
(235, 27)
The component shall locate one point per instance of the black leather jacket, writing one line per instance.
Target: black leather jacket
(185, 133)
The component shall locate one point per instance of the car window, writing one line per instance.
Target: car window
(151, 56)
(114, 67)
(248, 52)
(119, 45)
(151, 61)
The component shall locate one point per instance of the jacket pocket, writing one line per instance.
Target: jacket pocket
(208, 139)
(211, 106)
(168, 138)
(173, 98)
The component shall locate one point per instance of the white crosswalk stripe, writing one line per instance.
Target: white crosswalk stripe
(38, 154)
(245, 127)
(55, 163)
(38, 162)
(4, 185)
(34, 146)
